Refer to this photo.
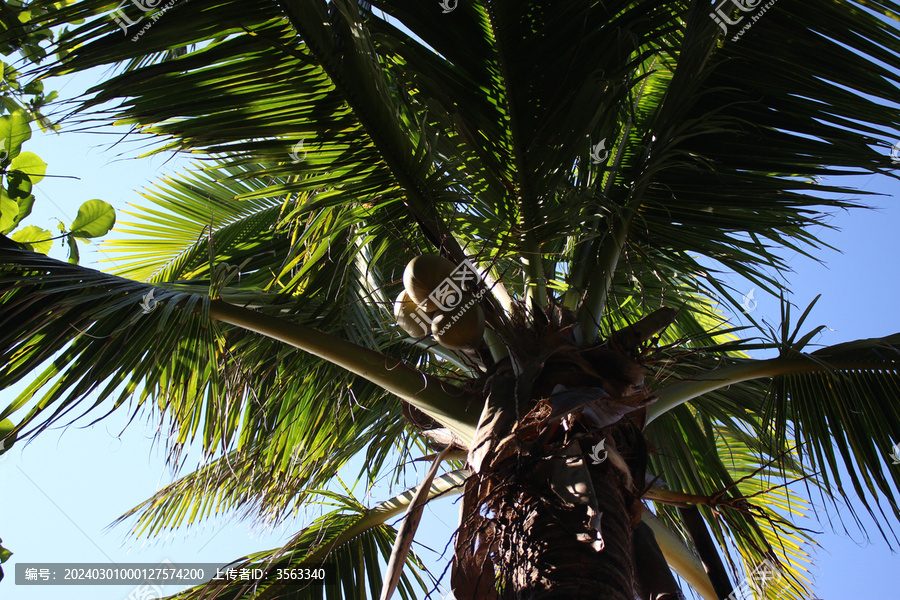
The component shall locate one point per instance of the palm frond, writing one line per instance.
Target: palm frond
(696, 174)
(171, 241)
(352, 542)
(843, 397)
(739, 485)
(208, 378)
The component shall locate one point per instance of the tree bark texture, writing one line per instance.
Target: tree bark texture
(553, 504)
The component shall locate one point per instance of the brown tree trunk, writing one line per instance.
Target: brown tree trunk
(550, 550)
(551, 507)
(542, 518)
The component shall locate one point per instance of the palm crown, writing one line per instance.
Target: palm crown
(597, 163)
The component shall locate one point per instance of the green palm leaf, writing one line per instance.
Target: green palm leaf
(354, 539)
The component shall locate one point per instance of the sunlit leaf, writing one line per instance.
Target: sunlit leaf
(74, 255)
(9, 212)
(34, 238)
(14, 130)
(95, 218)
(18, 185)
(31, 165)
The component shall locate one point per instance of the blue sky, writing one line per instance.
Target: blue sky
(61, 491)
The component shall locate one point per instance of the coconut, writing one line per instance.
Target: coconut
(459, 328)
(410, 318)
(422, 275)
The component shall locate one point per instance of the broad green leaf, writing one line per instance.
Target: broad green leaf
(33, 87)
(74, 255)
(18, 185)
(9, 213)
(14, 130)
(37, 239)
(11, 217)
(25, 206)
(31, 165)
(95, 218)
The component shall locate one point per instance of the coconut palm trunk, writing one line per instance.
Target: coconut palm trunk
(547, 548)
(559, 464)
(490, 231)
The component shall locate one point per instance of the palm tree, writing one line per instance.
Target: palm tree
(590, 168)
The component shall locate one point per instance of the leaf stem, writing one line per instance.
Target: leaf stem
(678, 393)
(680, 557)
(598, 288)
(444, 402)
(447, 484)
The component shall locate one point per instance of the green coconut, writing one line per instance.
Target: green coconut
(463, 333)
(422, 275)
(408, 316)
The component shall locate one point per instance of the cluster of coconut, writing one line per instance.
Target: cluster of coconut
(459, 328)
